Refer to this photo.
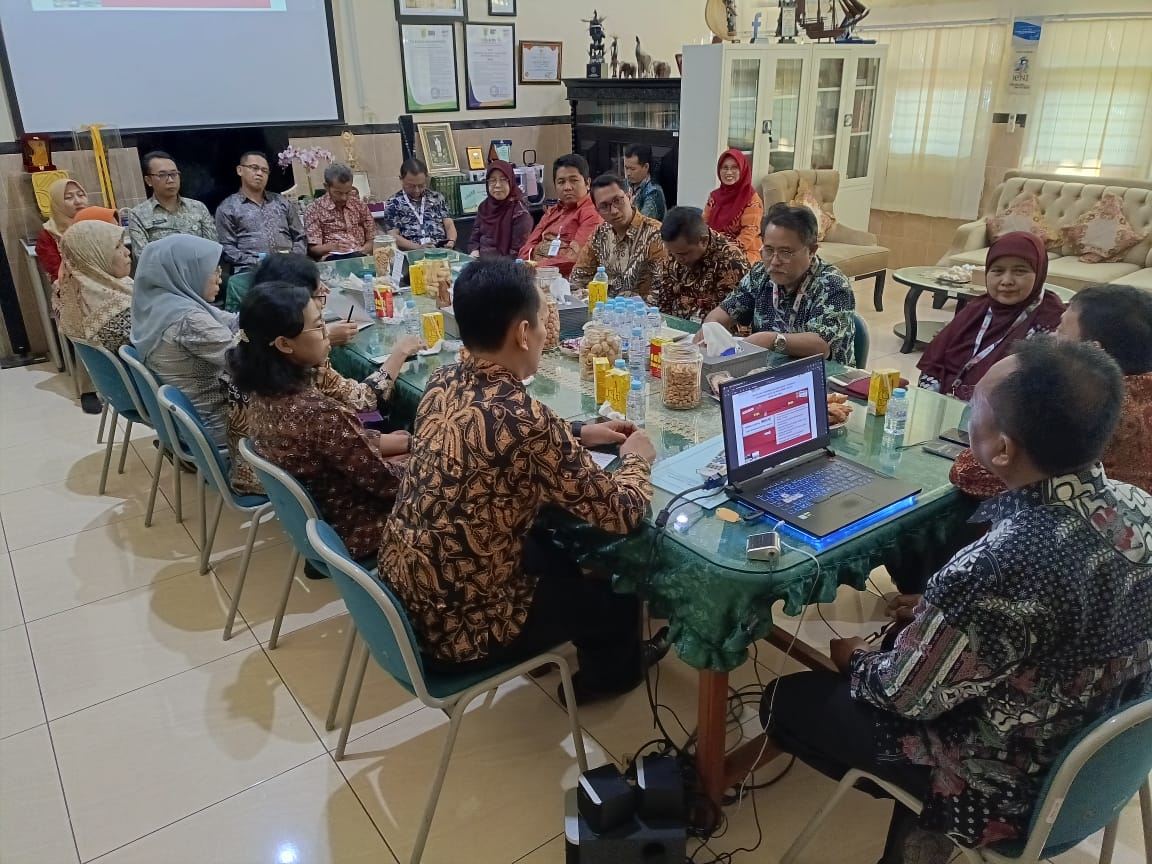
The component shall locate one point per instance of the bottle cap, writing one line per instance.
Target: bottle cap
(899, 392)
(410, 304)
(519, 260)
(620, 364)
(636, 331)
(637, 384)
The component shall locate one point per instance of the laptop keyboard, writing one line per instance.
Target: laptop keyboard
(796, 496)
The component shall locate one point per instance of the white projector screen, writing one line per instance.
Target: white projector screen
(169, 64)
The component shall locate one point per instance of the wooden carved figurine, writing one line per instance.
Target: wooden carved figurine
(662, 69)
(627, 70)
(643, 61)
(615, 56)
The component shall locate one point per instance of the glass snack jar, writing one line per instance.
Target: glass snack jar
(680, 368)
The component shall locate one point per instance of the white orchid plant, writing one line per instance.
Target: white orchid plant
(310, 158)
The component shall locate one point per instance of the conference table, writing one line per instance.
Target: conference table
(697, 575)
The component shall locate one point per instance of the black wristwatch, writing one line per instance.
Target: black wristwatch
(577, 428)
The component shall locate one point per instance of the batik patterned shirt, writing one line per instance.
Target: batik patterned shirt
(486, 457)
(693, 292)
(151, 221)
(822, 302)
(245, 229)
(648, 199)
(416, 220)
(630, 261)
(350, 227)
(1022, 639)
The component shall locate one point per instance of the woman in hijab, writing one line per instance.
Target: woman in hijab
(984, 331)
(734, 209)
(66, 198)
(503, 222)
(94, 287)
(180, 335)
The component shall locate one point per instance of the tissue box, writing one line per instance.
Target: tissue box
(748, 358)
(573, 317)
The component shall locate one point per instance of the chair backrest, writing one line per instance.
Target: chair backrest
(190, 432)
(110, 377)
(238, 286)
(783, 186)
(1099, 772)
(147, 387)
(291, 501)
(379, 617)
(861, 341)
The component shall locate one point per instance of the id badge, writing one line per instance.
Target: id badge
(554, 247)
(424, 241)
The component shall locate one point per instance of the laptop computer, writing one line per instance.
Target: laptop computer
(776, 448)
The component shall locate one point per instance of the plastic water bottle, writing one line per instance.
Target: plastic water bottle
(598, 313)
(637, 354)
(655, 322)
(896, 417)
(411, 319)
(635, 412)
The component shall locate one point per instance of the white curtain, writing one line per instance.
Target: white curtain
(938, 88)
(1093, 106)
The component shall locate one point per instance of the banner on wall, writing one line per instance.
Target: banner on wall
(1025, 41)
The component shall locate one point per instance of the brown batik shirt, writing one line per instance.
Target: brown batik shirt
(322, 443)
(693, 292)
(630, 261)
(486, 457)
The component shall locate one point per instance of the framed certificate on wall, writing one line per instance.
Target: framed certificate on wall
(490, 65)
(428, 60)
(448, 9)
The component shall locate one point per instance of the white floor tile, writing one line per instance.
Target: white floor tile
(20, 703)
(34, 824)
(10, 612)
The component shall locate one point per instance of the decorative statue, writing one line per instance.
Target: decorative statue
(615, 56)
(643, 61)
(596, 49)
(348, 140)
(662, 69)
(627, 70)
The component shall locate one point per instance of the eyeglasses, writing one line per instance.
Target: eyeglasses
(785, 255)
(167, 175)
(620, 202)
(256, 169)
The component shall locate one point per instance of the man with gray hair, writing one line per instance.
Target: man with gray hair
(339, 224)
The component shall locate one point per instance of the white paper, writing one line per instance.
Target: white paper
(603, 459)
(490, 62)
(397, 267)
(541, 63)
(717, 339)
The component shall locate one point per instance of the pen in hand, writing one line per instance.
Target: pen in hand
(350, 310)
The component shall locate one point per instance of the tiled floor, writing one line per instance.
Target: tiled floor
(131, 732)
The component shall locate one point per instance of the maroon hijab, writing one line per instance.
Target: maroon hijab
(728, 202)
(496, 218)
(949, 357)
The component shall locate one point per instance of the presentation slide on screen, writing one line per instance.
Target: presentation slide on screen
(774, 417)
(160, 5)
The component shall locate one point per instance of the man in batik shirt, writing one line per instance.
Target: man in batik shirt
(794, 302)
(702, 267)
(254, 221)
(1025, 637)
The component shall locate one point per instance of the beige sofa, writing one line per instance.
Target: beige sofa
(856, 253)
(1065, 199)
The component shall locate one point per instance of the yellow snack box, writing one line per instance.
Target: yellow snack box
(416, 276)
(617, 384)
(597, 293)
(880, 388)
(600, 369)
(433, 323)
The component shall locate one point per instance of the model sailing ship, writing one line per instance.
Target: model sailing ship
(720, 16)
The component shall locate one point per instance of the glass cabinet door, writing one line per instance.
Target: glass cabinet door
(826, 112)
(863, 117)
(743, 104)
(786, 99)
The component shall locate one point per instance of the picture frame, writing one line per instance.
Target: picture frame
(428, 66)
(443, 10)
(489, 66)
(541, 62)
(472, 195)
(476, 158)
(502, 8)
(438, 148)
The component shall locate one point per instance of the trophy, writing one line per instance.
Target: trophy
(596, 49)
(37, 153)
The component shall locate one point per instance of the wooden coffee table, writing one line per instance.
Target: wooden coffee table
(919, 280)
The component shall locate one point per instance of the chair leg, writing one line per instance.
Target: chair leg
(201, 501)
(157, 467)
(353, 698)
(1108, 843)
(438, 783)
(341, 677)
(108, 453)
(177, 489)
(282, 607)
(878, 291)
(1146, 818)
(813, 826)
(124, 447)
(243, 570)
(573, 718)
(209, 531)
(103, 421)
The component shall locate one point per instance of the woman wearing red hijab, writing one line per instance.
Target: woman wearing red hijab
(503, 222)
(734, 209)
(983, 332)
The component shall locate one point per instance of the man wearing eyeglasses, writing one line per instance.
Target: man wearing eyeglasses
(166, 212)
(795, 302)
(627, 245)
(254, 220)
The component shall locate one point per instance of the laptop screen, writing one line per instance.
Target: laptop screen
(774, 416)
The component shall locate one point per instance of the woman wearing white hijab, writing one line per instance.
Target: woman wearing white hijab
(95, 287)
(180, 335)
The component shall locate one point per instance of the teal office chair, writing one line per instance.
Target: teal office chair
(148, 388)
(239, 285)
(860, 341)
(1098, 773)
(213, 471)
(112, 382)
(388, 637)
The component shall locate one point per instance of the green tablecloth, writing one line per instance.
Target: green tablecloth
(716, 600)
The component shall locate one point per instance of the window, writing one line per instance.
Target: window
(938, 90)
(1093, 105)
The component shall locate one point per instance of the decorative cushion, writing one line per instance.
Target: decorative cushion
(1103, 234)
(806, 197)
(1024, 213)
